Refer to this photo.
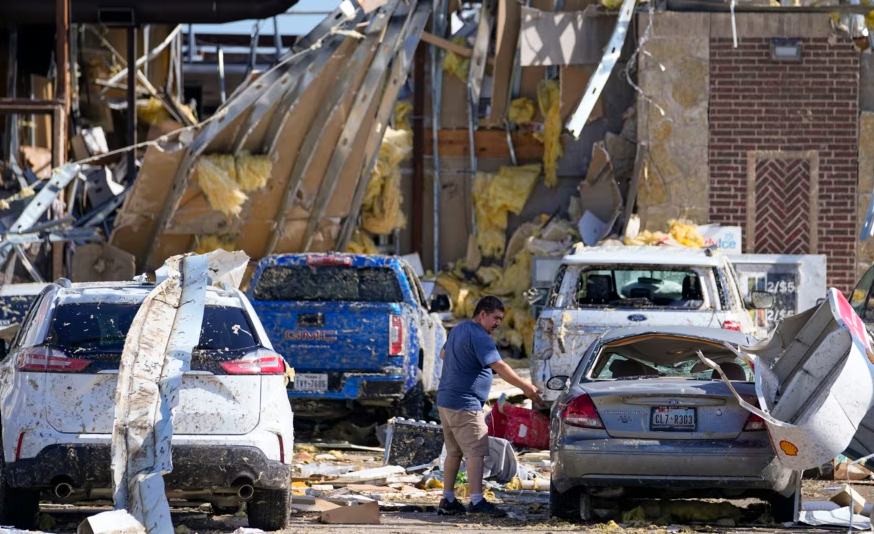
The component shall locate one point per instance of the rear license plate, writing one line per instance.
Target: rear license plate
(310, 382)
(665, 418)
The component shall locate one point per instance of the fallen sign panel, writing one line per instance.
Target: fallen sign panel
(821, 363)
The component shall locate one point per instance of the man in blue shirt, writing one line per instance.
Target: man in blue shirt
(469, 357)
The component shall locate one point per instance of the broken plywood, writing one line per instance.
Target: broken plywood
(563, 38)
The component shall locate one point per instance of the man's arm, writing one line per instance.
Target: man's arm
(442, 353)
(508, 374)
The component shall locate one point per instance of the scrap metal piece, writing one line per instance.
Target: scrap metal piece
(43, 200)
(821, 363)
(34, 273)
(157, 351)
(400, 68)
(414, 25)
(596, 84)
(410, 443)
(382, 23)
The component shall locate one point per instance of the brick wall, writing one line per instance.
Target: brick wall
(811, 106)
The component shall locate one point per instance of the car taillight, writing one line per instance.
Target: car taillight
(47, 360)
(754, 424)
(260, 362)
(317, 260)
(395, 335)
(581, 412)
(731, 325)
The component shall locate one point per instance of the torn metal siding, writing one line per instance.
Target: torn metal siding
(822, 365)
(156, 353)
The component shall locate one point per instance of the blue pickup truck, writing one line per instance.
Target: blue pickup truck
(357, 329)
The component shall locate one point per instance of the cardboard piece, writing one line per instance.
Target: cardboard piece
(572, 84)
(564, 37)
(102, 262)
(847, 471)
(506, 38)
(39, 159)
(322, 505)
(849, 496)
(359, 514)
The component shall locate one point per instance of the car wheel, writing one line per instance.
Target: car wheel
(269, 509)
(782, 508)
(18, 507)
(412, 405)
(564, 505)
(585, 507)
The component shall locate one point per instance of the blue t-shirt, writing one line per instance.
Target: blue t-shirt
(467, 377)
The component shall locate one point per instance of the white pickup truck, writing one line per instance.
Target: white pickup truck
(600, 288)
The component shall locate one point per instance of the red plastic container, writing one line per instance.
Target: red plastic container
(520, 426)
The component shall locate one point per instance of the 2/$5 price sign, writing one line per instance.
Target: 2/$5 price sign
(779, 280)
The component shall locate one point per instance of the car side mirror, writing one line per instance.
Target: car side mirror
(557, 383)
(4, 351)
(439, 303)
(760, 300)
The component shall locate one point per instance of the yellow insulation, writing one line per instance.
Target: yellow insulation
(517, 330)
(464, 296)
(402, 115)
(517, 277)
(361, 243)
(548, 97)
(612, 5)
(489, 275)
(381, 209)
(455, 64)
(152, 111)
(495, 195)
(253, 172)
(521, 111)
(208, 243)
(686, 234)
(216, 176)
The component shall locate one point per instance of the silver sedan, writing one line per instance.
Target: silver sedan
(642, 416)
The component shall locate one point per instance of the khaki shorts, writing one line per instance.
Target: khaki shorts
(465, 433)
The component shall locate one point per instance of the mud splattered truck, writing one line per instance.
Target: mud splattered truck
(357, 329)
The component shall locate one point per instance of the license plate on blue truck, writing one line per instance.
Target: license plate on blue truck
(311, 382)
(670, 418)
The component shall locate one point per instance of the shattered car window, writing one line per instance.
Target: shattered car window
(667, 358)
(637, 287)
(100, 329)
(328, 283)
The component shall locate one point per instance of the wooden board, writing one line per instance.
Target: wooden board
(572, 86)
(489, 144)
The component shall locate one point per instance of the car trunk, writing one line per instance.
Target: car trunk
(208, 404)
(670, 408)
(329, 336)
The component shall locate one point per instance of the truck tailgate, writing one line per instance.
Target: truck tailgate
(328, 336)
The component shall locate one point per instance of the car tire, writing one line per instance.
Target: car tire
(18, 507)
(782, 508)
(564, 505)
(269, 509)
(412, 405)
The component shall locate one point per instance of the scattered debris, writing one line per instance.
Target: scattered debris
(411, 443)
(360, 514)
(115, 522)
(849, 497)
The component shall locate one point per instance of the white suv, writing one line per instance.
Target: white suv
(600, 288)
(232, 432)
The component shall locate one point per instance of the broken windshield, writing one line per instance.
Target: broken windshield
(639, 287)
(667, 357)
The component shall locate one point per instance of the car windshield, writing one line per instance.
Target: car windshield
(100, 329)
(634, 286)
(328, 283)
(666, 357)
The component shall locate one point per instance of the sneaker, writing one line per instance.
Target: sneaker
(450, 508)
(486, 508)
